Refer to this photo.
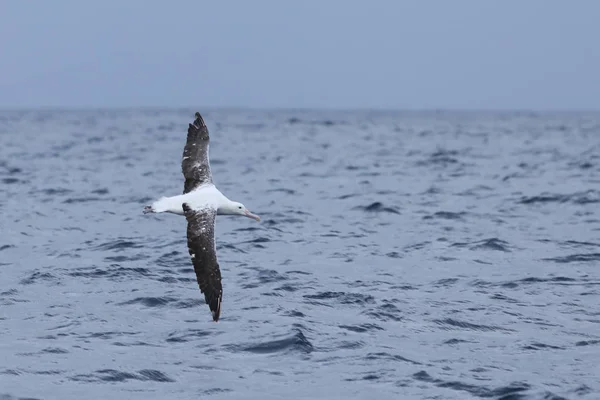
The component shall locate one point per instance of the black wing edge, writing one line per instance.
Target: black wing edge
(198, 122)
(196, 149)
(213, 294)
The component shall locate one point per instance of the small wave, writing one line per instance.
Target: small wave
(113, 375)
(295, 121)
(282, 190)
(486, 244)
(295, 343)
(75, 200)
(6, 396)
(386, 312)
(38, 276)
(459, 216)
(377, 207)
(342, 297)
(449, 323)
(163, 302)
(574, 258)
(390, 357)
(362, 328)
(119, 244)
(187, 336)
(104, 335)
(112, 271)
(588, 343)
(511, 391)
(541, 346)
(587, 197)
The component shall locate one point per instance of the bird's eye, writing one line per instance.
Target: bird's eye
(240, 207)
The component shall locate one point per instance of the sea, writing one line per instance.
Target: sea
(400, 255)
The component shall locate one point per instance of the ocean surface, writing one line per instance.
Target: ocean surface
(400, 255)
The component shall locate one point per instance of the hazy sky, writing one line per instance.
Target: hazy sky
(482, 54)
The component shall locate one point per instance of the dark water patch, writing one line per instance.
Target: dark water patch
(541, 346)
(54, 350)
(112, 271)
(574, 258)
(118, 245)
(347, 196)
(282, 190)
(10, 371)
(258, 241)
(187, 335)
(122, 259)
(163, 302)
(498, 296)
(393, 254)
(282, 221)
(377, 207)
(511, 392)
(449, 324)
(112, 376)
(6, 247)
(136, 343)
(213, 391)
(287, 288)
(445, 258)
(294, 313)
(9, 181)
(352, 345)
(362, 328)
(9, 170)
(76, 200)
(248, 229)
(292, 344)
(417, 246)
(390, 357)
(580, 198)
(445, 282)
(342, 297)
(386, 312)
(37, 277)
(6, 396)
(535, 280)
(486, 244)
(440, 157)
(269, 276)
(575, 244)
(588, 343)
(455, 341)
(109, 335)
(449, 215)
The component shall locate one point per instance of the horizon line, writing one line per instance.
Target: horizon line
(298, 109)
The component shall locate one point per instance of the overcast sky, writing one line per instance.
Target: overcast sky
(395, 54)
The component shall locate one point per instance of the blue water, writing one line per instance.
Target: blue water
(400, 255)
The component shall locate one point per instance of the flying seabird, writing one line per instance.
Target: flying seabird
(201, 202)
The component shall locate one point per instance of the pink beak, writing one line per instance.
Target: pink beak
(253, 216)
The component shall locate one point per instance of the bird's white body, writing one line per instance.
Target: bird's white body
(206, 196)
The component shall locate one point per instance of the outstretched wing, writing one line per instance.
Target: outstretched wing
(201, 245)
(195, 164)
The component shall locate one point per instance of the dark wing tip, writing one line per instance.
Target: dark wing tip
(199, 121)
(215, 308)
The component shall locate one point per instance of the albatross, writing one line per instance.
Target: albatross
(200, 203)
